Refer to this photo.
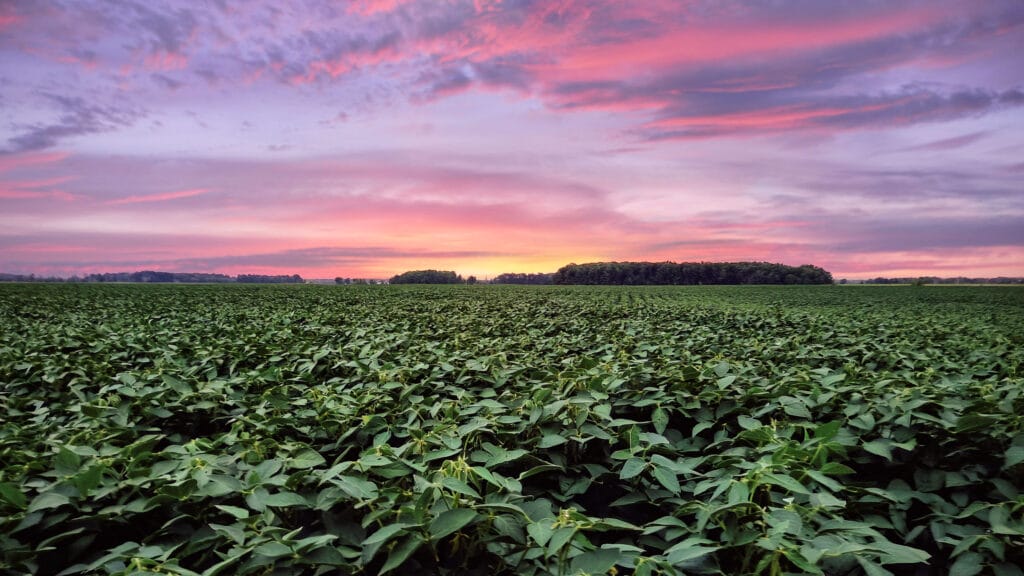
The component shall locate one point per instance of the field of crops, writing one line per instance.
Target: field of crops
(511, 430)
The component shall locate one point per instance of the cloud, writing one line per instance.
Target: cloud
(325, 256)
(167, 82)
(909, 105)
(910, 235)
(686, 70)
(732, 75)
(11, 162)
(160, 197)
(953, 143)
(77, 117)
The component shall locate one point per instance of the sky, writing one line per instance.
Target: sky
(365, 138)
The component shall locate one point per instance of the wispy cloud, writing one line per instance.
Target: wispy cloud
(76, 117)
(952, 143)
(160, 197)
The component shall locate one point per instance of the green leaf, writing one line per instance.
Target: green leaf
(384, 534)
(450, 521)
(689, 549)
(1007, 569)
(826, 500)
(264, 471)
(871, 568)
(738, 492)
(307, 458)
(831, 379)
(559, 538)
(540, 531)
(974, 423)
(12, 495)
(881, 448)
(86, 481)
(836, 469)
(785, 481)
(487, 476)
(824, 480)
(785, 522)
(1014, 455)
(358, 488)
(284, 499)
(234, 531)
(632, 468)
(748, 423)
(551, 440)
(827, 431)
(67, 463)
(598, 561)
(797, 411)
(659, 418)
(667, 478)
(240, 513)
(273, 550)
(505, 457)
(697, 429)
(967, 564)
(1000, 521)
(456, 485)
(400, 553)
(899, 554)
(47, 500)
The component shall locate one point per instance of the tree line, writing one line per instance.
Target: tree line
(689, 273)
(150, 276)
(524, 278)
(431, 277)
(937, 280)
(641, 273)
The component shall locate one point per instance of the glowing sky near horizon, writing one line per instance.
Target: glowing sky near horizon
(364, 138)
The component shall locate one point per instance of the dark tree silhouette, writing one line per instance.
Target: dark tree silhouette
(427, 277)
(647, 273)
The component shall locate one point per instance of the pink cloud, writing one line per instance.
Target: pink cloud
(343, 64)
(15, 161)
(160, 197)
(32, 189)
(8, 16)
(710, 43)
(371, 7)
(14, 194)
(162, 60)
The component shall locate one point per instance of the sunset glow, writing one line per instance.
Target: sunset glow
(361, 139)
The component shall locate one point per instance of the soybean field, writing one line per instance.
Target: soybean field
(511, 430)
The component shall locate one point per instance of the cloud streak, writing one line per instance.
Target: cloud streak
(160, 197)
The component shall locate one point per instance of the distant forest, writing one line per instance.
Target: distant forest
(688, 273)
(611, 273)
(148, 276)
(431, 277)
(641, 273)
(520, 278)
(936, 280)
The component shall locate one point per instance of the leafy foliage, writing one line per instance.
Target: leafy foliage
(511, 430)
